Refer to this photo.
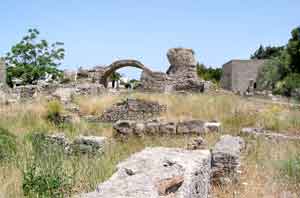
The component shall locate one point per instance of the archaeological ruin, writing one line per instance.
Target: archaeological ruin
(2, 73)
(181, 75)
(240, 75)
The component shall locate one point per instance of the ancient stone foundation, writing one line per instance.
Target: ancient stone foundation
(81, 144)
(125, 128)
(159, 173)
(132, 109)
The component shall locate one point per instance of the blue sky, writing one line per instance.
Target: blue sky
(99, 32)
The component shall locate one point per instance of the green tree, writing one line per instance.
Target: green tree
(267, 52)
(274, 70)
(293, 50)
(31, 60)
(115, 77)
(213, 74)
(289, 84)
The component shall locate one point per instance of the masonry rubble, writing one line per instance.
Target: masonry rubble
(81, 144)
(226, 159)
(159, 173)
(132, 109)
(125, 128)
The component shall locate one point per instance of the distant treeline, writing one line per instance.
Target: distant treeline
(209, 73)
(281, 73)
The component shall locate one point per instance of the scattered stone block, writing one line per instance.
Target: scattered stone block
(226, 159)
(167, 128)
(152, 127)
(88, 144)
(212, 126)
(124, 127)
(159, 172)
(191, 127)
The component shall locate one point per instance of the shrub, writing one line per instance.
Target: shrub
(288, 85)
(46, 179)
(44, 174)
(54, 111)
(7, 145)
(290, 169)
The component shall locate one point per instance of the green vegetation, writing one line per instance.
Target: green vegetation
(37, 169)
(7, 145)
(54, 111)
(290, 169)
(115, 77)
(212, 74)
(31, 60)
(267, 52)
(281, 72)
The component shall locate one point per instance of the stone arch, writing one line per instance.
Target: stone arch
(120, 64)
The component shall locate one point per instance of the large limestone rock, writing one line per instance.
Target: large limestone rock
(159, 173)
(226, 159)
(133, 109)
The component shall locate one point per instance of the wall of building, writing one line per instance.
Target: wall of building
(237, 74)
(226, 80)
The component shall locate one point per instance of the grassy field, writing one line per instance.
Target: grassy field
(268, 168)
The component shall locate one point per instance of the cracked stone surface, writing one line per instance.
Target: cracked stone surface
(159, 172)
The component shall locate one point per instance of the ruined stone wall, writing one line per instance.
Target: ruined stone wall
(2, 73)
(237, 74)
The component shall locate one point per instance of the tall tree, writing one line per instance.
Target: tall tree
(267, 52)
(293, 50)
(115, 77)
(32, 59)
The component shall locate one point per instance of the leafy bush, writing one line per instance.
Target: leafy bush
(54, 111)
(288, 85)
(7, 144)
(290, 169)
(44, 174)
(46, 177)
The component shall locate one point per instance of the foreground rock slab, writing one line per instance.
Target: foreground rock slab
(226, 159)
(159, 173)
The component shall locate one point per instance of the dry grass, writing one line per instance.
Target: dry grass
(260, 176)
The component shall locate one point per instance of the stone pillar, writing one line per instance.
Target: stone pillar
(181, 59)
(2, 73)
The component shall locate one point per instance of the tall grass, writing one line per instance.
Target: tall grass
(81, 173)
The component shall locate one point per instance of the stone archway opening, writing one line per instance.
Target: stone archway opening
(111, 69)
